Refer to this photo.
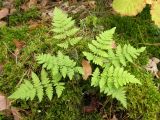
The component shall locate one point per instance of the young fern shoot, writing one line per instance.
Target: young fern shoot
(64, 29)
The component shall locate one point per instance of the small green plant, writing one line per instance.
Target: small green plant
(60, 67)
(113, 77)
(110, 76)
(64, 29)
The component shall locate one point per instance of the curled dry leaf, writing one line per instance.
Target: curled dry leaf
(4, 102)
(152, 66)
(4, 12)
(87, 69)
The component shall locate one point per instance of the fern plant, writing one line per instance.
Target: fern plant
(64, 29)
(113, 78)
(61, 66)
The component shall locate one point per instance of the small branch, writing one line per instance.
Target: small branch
(21, 79)
(151, 44)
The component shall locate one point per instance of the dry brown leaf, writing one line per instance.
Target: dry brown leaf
(34, 24)
(114, 118)
(4, 102)
(88, 109)
(19, 44)
(16, 113)
(4, 12)
(87, 69)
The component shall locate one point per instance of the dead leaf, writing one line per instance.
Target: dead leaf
(33, 25)
(16, 113)
(4, 102)
(149, 1)
(88, 109)
(19, 44)
(152, 66)
(114, 118)
(4, 12)
(87, 69)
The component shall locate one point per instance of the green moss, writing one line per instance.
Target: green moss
(143, 101)
(23, 17)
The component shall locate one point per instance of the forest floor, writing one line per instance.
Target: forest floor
(26, 31)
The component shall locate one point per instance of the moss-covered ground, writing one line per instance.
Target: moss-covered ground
(143, 101)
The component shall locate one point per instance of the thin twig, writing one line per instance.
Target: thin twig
(151, 44)
(110, 110)
(21, 79)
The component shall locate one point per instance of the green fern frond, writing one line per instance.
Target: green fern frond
(64, 29)
(112, 81)
(47, 60)
(100, 46)
(38, 86)
(25, 91)
(59, 88)
(60, 64)
(95, 78)
(127, 53)
(119, 94)
(63, 45)
(75, 40)
(47, 84)
(102, 52)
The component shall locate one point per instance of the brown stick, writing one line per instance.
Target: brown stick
(151, 44)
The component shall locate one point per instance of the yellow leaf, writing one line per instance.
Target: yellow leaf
(128, 7)
(149, 1)
(155, 12)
